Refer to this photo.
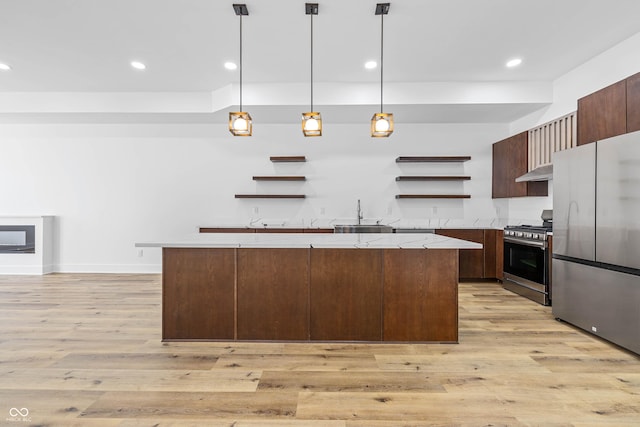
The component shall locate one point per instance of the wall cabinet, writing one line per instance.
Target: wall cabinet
(611, 111)
(510, 160)
(633, 103)
(603, 114)
(485, 263)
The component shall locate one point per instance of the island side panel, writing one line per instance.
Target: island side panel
(198, 293)
(346, 294)
(273, 294)
(421, 295)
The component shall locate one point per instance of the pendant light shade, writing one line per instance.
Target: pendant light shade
(311, 121)
(311, 124)
(240, 123)
(382, 123)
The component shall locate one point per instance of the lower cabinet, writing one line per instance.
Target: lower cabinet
(191, 279)
(418, 296)
(273, 295)
(485, 263)
(304, 294)
(346, 294)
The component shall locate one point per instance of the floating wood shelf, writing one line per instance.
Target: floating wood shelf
(431, 159)
(433, 196)
(432, 178)
(270, 196)
(288, 158)
(279, 178)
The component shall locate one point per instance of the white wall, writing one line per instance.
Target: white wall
(611, 66)
(111, 185)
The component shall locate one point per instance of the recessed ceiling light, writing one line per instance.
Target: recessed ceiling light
(514, 62)
(370, 65)
(138, 65)
(230, 65)
(4, 67)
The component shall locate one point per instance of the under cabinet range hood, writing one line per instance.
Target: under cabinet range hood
(541, 173)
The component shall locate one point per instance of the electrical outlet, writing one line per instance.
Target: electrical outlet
(140, 252)
(389, 210)
(256, 210)
(594, 329)
(434, 210)
(322, 211)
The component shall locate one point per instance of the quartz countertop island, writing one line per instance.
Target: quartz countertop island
(310, 288)
(307, 240)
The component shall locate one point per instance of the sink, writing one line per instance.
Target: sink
(362, 228)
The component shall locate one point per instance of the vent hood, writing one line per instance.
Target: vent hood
(541, 173)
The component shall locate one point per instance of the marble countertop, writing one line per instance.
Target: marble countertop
(409, 224)
(309, 240)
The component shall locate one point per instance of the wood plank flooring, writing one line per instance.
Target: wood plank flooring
(86, 350)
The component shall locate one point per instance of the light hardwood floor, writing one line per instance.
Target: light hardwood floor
(85, 350)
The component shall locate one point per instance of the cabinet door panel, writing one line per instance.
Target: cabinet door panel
(603, 114)
(510, 160)
(191, 279)
(420, 295)
(633, 103)
(346, 294)
(273, 294)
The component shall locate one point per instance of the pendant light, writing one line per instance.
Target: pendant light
(381, 123)
(240, 123)
(311, 121)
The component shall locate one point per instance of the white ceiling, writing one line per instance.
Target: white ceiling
(87, 45)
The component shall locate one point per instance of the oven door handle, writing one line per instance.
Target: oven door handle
(542, 245)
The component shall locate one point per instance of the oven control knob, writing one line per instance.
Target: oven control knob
(518, 234)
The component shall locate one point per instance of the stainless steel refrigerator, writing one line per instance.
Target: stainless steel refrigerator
(596, 238)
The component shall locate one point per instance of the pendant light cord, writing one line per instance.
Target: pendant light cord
(240, 62)
(381, 57)
(311, 62)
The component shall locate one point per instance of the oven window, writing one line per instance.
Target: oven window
(525, 261)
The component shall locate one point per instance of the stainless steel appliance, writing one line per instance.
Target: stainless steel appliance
(596, 266)
(526, 262)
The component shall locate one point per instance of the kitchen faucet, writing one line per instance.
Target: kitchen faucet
(360, 216)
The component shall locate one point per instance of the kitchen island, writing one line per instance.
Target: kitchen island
(311, 287)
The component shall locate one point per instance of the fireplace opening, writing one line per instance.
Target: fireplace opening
(17, 239)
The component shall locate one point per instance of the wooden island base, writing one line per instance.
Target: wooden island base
(310, 294)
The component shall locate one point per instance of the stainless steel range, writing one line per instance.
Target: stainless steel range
(526, 261)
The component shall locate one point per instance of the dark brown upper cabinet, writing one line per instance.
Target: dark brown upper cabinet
(510, 160)
(603, 114)
(633, 103)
